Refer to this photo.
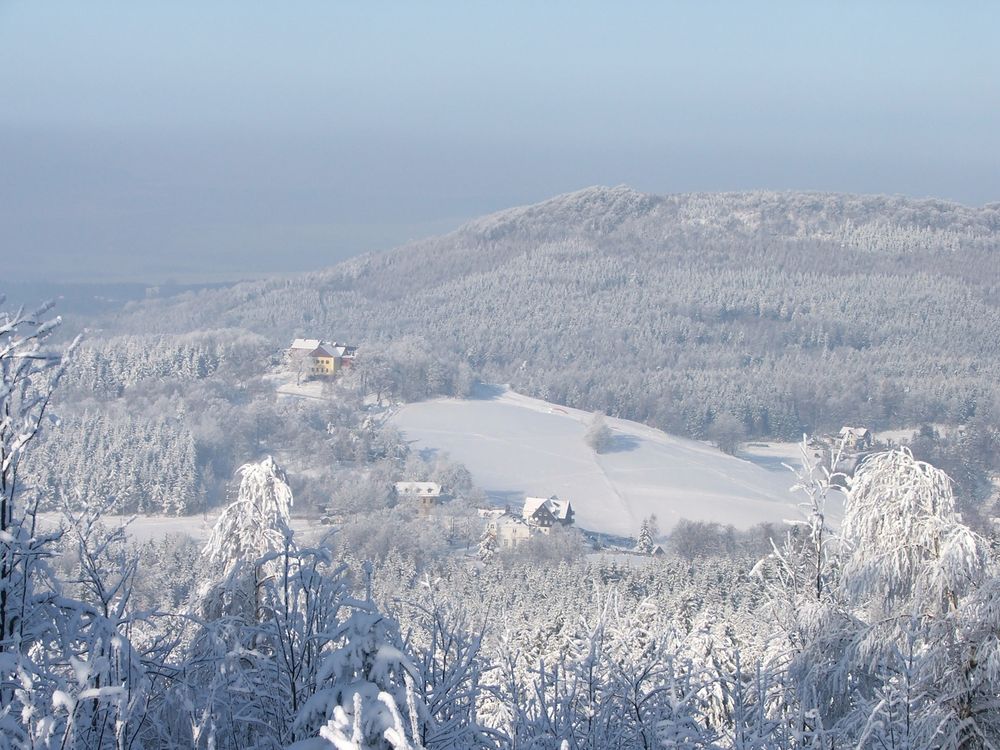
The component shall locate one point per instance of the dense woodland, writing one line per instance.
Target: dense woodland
(132, 464)
(159, 423)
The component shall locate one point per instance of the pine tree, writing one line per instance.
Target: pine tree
(488, 544)
(644, 543)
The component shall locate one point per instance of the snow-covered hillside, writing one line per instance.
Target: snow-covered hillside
(515, 445)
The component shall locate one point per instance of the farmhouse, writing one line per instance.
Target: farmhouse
(324, 360)
(510, 531)
(427, 494)
(545, 512)
(303, 346)
(538, 516)
(857, 438)
(320, 358)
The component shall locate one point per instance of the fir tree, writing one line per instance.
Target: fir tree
(488, 544)
(644, 543)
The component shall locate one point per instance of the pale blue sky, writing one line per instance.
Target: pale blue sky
(149, 140)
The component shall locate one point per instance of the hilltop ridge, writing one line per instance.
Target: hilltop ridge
(790, 311)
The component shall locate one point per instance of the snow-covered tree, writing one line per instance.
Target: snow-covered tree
(912, 576)
(257, 521)
(883, 626)
(488, 544)
(243, 669)
(807, 561)
(450, 671)
(113, 662)
(233, 672)
(598, 435)
(71, 672)
(728, 431)
(28, 376)
(909, 550)
(365, 697)
(648, 531)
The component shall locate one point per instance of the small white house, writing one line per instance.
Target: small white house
(510, 531)
(427, 494)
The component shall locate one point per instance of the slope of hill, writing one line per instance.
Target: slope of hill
(516, 446)
(791, 311)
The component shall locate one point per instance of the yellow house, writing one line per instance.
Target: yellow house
(324, 360)
(318, 358)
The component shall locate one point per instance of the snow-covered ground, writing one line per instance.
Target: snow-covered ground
(284, 383)
(145, 528)
(514, 445)
(772, 456)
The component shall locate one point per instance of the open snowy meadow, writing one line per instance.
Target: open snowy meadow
(515, 445)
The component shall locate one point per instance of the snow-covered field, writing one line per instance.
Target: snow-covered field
(773, 456)
(515, 445)
(284, 383)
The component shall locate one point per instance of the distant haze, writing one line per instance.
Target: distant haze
(224, 140)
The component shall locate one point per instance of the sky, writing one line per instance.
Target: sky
(205, 141)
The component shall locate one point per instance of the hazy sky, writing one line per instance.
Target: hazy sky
(207, 139)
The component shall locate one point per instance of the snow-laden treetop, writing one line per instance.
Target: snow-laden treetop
(257, 521)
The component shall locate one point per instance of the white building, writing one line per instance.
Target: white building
(427, 494)
(510, 531)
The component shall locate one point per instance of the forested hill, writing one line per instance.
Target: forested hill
(790, 311)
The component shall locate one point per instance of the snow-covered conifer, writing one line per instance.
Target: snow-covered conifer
(488, 544)
(644, 542)
(365, 687)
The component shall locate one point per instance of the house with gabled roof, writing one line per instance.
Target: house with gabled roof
(426, 494)
(303, 345)
(510, 531)
(324, 360)
(347, 353)
(316, 357)
(538, 516)
(545, 512)
(857, 438)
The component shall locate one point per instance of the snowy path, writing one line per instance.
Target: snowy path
(516, 445)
